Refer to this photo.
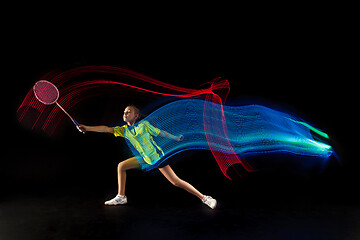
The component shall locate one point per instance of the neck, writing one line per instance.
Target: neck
(130, 123)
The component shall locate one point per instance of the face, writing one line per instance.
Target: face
(130, 115)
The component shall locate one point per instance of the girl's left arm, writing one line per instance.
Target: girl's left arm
(168, 135)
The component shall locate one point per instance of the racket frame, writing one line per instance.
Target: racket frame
(47, 103)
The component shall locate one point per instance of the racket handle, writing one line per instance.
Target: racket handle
(78, 126)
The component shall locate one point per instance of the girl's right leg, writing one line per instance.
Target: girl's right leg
(130, 163)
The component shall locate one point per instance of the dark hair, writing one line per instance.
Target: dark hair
(137, 110)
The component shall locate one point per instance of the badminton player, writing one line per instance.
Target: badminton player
(145, 131)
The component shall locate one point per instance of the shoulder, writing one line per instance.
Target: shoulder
(121, 127)
(119, 130)
(146, 124)
(142, 123)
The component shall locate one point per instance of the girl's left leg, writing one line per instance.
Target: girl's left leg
(176, 181)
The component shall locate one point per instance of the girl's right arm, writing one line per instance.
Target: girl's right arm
(103, 129)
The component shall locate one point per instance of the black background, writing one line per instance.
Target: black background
(301, 66)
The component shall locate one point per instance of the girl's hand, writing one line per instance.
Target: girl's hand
(81, 126)
(180, 138)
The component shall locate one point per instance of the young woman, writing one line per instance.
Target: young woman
(145, 130)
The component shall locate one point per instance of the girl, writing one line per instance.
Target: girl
(145, 131)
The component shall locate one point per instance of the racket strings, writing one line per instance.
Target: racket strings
(46, 92)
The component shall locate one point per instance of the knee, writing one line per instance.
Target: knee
(177, 182)
(121, 167)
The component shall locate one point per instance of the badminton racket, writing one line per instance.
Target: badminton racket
(47, 93)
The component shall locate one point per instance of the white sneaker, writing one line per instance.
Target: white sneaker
(209, 201)
(119, 199)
